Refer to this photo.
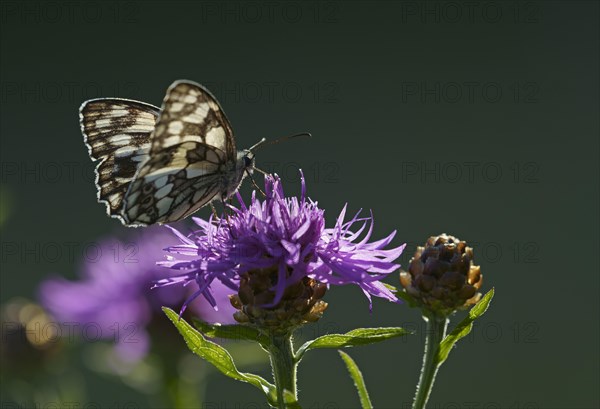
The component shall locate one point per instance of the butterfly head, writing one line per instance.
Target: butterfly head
(247, 158)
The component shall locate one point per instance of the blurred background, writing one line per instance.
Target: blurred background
(474, 119)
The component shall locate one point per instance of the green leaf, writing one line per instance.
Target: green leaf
(290, 400)
(356, 337)
(400, 293)
(407, 298)
(390, 287)
(359, 382)
(463, 328)
(215, 354)
(244, 332)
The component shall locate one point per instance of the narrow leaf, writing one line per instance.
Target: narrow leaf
(290, 400)
(400, 293)
(406, 298)
(464, 327)
(390, 287)
(244, 332)
(359, 382)
(215, 354)
(356, 337)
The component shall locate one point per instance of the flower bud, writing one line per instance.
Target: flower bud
(442, 277)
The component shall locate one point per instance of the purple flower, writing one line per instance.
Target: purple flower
(288, 233)
(113, 299)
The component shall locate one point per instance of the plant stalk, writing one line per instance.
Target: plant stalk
(283, 362)
(436, 331)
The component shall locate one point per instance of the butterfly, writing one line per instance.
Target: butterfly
(160, 165)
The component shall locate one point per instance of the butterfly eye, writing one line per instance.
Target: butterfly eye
(247, 161)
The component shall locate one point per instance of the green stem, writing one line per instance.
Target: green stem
(283, 362)
(436, 331)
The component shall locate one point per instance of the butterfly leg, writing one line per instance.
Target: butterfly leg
(224, 203)
(255, 185)
(214, 211)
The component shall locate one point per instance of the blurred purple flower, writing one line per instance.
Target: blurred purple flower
(114, 294)
(288, 233)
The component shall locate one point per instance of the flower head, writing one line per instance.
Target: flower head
(114, 293)
(287, 237)
(442, 277)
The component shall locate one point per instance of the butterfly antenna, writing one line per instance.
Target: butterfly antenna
(257, 144)
(263, 141)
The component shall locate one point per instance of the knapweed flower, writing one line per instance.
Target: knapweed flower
(113, 300)
(279, 257)
(442, 277)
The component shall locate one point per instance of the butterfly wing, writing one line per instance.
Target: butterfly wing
(192, 158)
(191, 113)
(117, 133)
(174, 184)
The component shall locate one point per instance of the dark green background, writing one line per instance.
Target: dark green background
(376, 85)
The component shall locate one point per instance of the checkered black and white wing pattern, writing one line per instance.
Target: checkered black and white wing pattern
(175, 183)
(192, 159)
(190, 113)
(117, 133)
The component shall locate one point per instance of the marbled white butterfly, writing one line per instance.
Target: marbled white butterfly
(162, 165)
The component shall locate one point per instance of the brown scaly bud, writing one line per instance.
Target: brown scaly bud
(301, 302)
(442, 277)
